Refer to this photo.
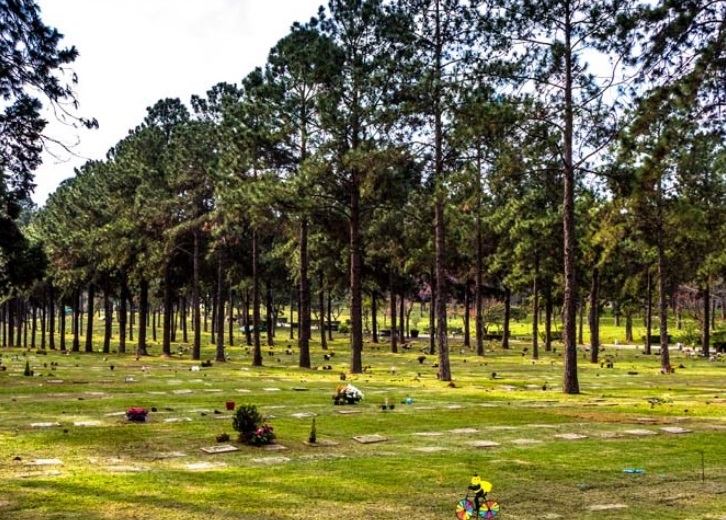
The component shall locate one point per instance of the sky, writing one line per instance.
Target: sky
(133, 53)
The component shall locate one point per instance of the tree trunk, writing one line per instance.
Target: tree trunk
(123, 317)
(330, 315)
(168, 311)
(665, 362)
(292, 316)
(304, 309)
(230, 316)
(34, 324)
(393, 312)
(321, 309)
(43, 322)
(594, 320)
(108, 319)
(183, 307)
(356, 277)
(374, 318)
(221, 297)
(196, 301)
(706, 325)
(89, 320)
(76, 346)
(62, 321)
(256, 347)
(248, 321)
(442, 291)
(270, 314)
(141, 348)
(51, 317)
(432, 322)
(467, 314)
(570, 382)
(535, 316)
(401, 314)
(507, 317)
(648, 314)
(628, 326)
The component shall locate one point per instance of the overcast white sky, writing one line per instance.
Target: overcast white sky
(135, 52)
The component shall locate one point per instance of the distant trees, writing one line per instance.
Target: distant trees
(463, 149)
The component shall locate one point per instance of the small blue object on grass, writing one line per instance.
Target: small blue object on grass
(633, 470)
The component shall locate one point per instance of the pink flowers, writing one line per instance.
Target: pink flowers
(263, 435)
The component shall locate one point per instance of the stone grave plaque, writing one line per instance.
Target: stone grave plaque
(570, 436)
(87, 423)
(223, 448)
(370, 439)
(44, 424)
(484, 444)
(271, 460)
(47, 462)
(675, 430)
(641, 432)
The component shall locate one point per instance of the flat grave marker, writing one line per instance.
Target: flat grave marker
(676, 430)
(484, 444)
(570, 436)
(223, 448)
(641, 432)
(370, 439)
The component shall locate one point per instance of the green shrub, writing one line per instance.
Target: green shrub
(246, 421)
(344, 328)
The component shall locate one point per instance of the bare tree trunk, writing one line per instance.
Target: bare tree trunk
(570, 383)
(665, 362)
(257, 349)
(507, 317)
(393, 312)
(123, 316)
(108, 319)
(230, 316)
(51, 316)
(221, 296)
(196, 300)
(89, 320)
(324, 324)
(649, 314)
(76, 346)
(304, 310)
(706, 325)
(535, 316)
(374, 320)
(141, 349)
(467, 313)
(594, 317)
(628, 326)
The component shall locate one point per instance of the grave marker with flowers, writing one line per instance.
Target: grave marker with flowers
(136, 414)
(252, 430)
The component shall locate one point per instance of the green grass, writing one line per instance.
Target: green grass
(138, 471)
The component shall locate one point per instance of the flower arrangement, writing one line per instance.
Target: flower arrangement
(347, 394)
(248, 422)
(261, 436)
(136, 414)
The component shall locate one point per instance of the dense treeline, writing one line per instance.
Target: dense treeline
(562, 150)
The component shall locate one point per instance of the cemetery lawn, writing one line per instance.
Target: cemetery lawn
(67, 450)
